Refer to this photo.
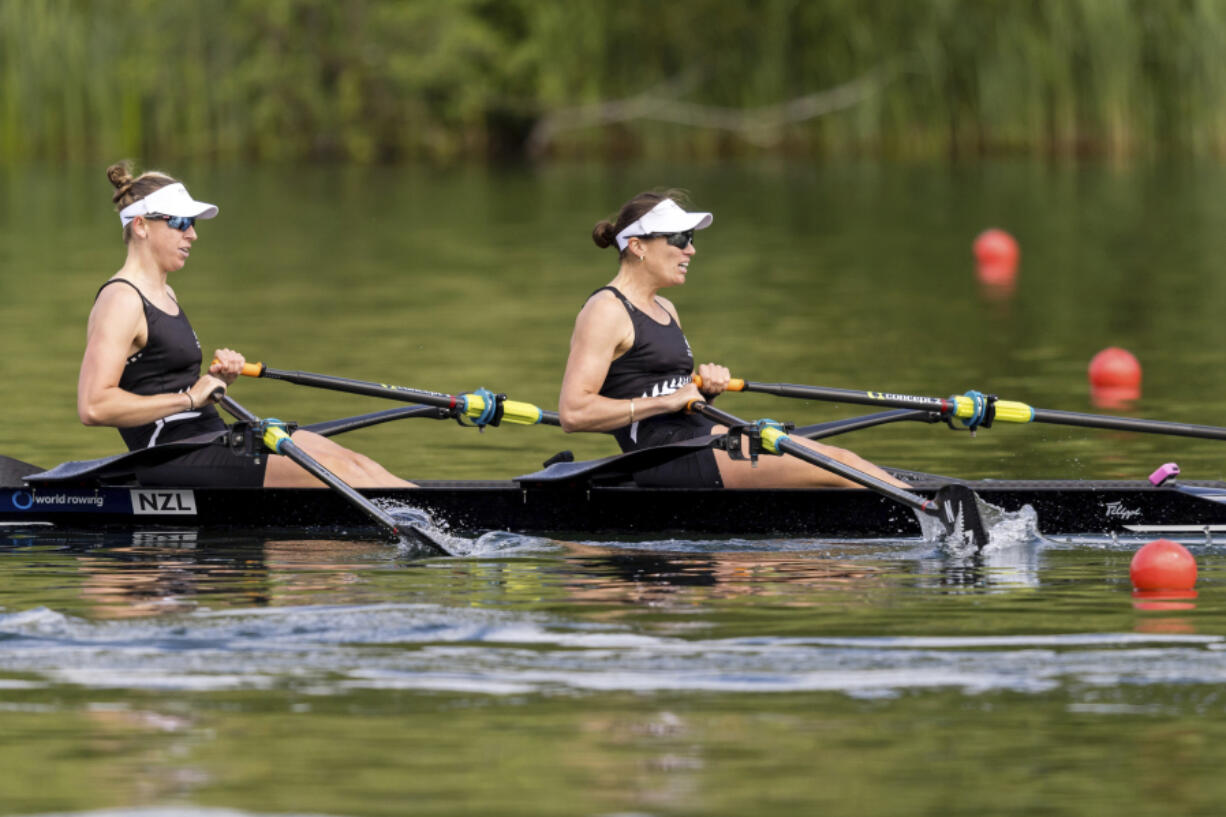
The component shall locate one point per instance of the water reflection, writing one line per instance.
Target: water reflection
(664, 579)
(164, 573)
(154, 574)
(1164, 602)
(1114, 398)
(157, 574)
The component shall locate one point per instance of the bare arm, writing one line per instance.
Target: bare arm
(117, 330)
(603, 331)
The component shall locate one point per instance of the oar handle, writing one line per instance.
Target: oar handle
(735, 384)
(249, 369)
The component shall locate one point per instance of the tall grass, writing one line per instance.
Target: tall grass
(388, 80)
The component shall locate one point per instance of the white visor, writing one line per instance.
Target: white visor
(171, 200)
(665, 217)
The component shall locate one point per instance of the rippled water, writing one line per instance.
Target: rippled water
(644, 677)
(199, 675)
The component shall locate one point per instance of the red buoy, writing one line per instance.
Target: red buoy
(1115, 378)
(1114, 367)
(996, 255)
(995, 247)
(1163, 565)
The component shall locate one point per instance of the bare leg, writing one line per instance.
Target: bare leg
(790, 472)
(356, 469)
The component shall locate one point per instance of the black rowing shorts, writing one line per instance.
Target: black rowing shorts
(697, 470)
(213, 466)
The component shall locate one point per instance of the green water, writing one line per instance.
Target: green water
(668, 678)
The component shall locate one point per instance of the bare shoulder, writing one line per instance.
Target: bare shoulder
(117, 319)
(603, 308)
(603, 328)
(118, 296)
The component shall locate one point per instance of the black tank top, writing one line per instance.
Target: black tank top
(659, 362)
(170, 361)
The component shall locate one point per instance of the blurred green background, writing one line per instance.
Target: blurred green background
(375, 81)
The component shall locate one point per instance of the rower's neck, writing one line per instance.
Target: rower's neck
(140, 268)
(149, 279)
(639, 292)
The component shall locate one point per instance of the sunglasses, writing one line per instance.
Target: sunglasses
(679, 240)
(180, 223)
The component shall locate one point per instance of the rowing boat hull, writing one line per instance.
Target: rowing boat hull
(1062, 507)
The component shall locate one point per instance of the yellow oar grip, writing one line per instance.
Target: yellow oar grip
(274, 436)
(1012, 411)
(1007, 411)
(474, 405)
(514, 411)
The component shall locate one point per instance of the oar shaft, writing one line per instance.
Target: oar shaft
(344, 384)
(278, 440)
(289, 448)
(330, 428)
(1072, 418)
(237, 411)
(963, 407)
(471, 405)
(775, 440)
(833, 395)
(831, 428)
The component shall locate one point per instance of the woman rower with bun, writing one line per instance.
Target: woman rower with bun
(630, 370)
(141, 370)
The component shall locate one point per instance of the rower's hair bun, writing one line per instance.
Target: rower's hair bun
(120, 175)
(604, 234)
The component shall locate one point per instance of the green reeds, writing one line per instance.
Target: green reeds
(390, 80)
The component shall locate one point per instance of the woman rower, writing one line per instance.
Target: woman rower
(141, 370)
(630, 370)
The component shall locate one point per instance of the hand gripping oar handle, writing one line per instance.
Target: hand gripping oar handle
(954, 505)
(476, 406)
(735, 384)
(969, 408)
(277, 440)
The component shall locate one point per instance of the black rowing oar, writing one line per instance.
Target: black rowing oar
(976, 409)
(482, 407)
(330, 428)
(954, 505)
(831, 428)
(275, 437)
